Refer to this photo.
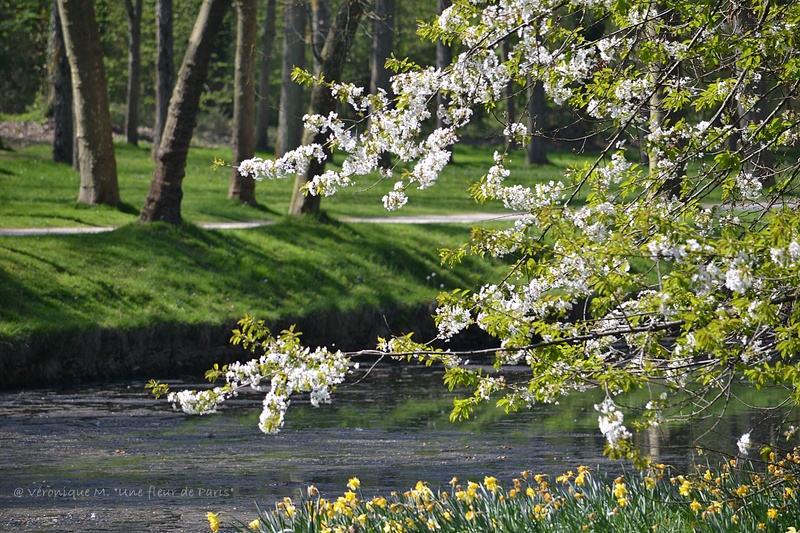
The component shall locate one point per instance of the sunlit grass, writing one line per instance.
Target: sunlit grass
(36, 192)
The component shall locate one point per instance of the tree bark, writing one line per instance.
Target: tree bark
(165, 67)
(337, 44)
(756, 160)
(382, 48)
(63, 124)
(511, 110)
(244, 99)
(290, 114)
(163, 202)
(98, 166)
(444, 56)
(536, 152)
(267, 42)
(320, 24)
(134, 10)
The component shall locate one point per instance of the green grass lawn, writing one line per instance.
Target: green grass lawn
(36, 192)
(139, 275)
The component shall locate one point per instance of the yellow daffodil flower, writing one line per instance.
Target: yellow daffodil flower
(213, 521)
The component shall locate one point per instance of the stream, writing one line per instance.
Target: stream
(109, 458)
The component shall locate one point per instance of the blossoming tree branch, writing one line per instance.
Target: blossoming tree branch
(678, 274)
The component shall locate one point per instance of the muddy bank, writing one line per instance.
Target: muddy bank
(176, 350)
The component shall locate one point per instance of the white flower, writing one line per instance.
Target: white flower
(610, 421)
(744, 443)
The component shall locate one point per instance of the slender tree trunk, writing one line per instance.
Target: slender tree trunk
(444, 56)
(382, 48)
(337, 44)
(63, 125)
(536, 152)
(98, 166)
(660, 117)
(320, 24)
(290, 117)
(244, 99)
(267, 42)
(163, 202)
(511, 110)
(165, 67)
(758, 161)
(134, 9)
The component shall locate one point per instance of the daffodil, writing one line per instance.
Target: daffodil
(213, 521)
(255, 524)
(353, 483)
(491, 484)
(695, 506)
(772, 514)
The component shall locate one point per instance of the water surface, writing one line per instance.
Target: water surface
(109, 458)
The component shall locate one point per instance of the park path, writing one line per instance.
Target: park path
(463, 218)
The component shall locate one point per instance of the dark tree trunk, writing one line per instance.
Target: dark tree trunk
(267, 42)
(63, 124)
(756, 160)
(165, 67)
(244, 99)
(511, 110)
(134, 9)
(536, 152)
(290, 117)
(320, 24)
(382, 48)
(163, 202)
(97, 162)
(337, 44)
(444, 56)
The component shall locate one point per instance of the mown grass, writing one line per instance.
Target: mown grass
(139, 275)
(36, 192)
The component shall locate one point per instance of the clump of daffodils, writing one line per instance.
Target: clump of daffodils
(732, 497)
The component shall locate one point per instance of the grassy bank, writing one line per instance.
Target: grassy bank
(65, 293)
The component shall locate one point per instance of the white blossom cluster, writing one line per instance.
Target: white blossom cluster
(611, 423)
(282, 371)
(606, 245)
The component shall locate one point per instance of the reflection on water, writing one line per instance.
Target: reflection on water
(111, 459)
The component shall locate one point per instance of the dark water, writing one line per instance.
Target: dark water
(111, 459)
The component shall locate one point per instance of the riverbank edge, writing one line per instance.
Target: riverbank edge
(179, 350)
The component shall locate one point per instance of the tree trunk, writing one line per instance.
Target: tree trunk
(290, 114)
(756, 160)
(63, 125)
(163, 202)
(134, 9)
(337, 44)
(98, 166)
(511, 110)
(165, 67)
(660, 117)
(382, 48)
(262, 115)
(536, 152)
(320, 24)
(244, 99)
(444, 56)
